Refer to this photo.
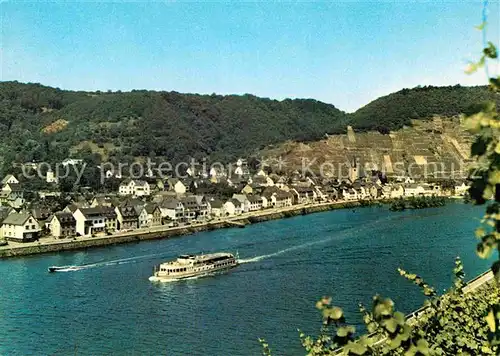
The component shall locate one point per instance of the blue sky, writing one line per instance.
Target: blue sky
(345, 53)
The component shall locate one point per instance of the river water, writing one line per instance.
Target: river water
(109, 307)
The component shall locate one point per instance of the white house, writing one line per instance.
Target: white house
(201, 206)
(362, 192)
(71, 162)
(262, 181)
(177, 186)
(238, 171)
(134, 187)
(232, 207)
(256, 202)
(281, 182)
(172, 209)
(409, 180)
(110, 174)
(261, 173)
(20, 228)
(62, 225)
(51, 177)
(153, 212)
(12, 195)
(266, 203)
(9, 179)
(305, 194)
(281, 199)
(461, 189)
(397, 191)
(413, 190)
(244, 202)
(349, 194)
(216, 172)
(375, 191)
(91, 221)
(319, 194)
(143, 216)
(432, 189)
(216, 208)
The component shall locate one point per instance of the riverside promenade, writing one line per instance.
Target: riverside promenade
(51, 244)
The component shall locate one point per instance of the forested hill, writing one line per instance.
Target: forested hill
(44, 123)
(40, 123)
(395, 110)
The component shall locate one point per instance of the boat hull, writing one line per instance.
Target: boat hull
(192, 275)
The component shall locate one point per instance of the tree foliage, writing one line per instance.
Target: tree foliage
(485, 189)
(419, 202)
(452, 324)
(393, 111)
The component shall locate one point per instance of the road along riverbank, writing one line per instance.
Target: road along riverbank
(48, 245)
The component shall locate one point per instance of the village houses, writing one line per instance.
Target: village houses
(11, 193)
(139, 204)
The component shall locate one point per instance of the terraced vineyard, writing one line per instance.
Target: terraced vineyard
(437, 148)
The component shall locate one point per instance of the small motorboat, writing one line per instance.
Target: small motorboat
(63, 268)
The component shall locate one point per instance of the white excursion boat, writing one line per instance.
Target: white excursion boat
(188, 266)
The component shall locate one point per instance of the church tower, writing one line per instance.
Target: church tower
(353, 171)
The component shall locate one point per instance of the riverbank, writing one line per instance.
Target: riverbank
(48, 245)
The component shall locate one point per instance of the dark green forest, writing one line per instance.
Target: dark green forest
(40, 123)
(393, 111)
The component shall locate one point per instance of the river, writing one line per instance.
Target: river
(110, 308)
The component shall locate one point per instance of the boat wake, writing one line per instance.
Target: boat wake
(66, 269)
(106, 263)
(280, 252)
(346, 233)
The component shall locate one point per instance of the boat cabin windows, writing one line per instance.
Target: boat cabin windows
(174, 270)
